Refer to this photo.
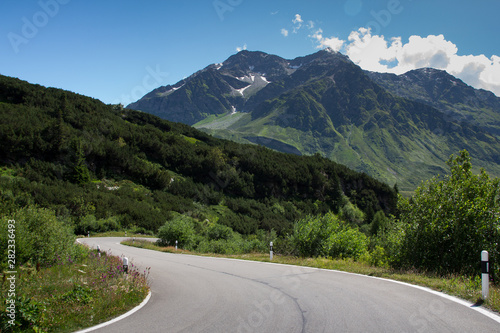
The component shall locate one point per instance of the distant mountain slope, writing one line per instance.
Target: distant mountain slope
(446, 93)
(324, 103)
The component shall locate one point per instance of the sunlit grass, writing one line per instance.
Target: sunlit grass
(72, 295)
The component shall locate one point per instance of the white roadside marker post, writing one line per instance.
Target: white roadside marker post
(271, 252)
(176, 245)
(98, 250)
(485, 274)
(125, 265)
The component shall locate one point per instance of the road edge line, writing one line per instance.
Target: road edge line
(114, 320)
(123, 316)
(484, 311)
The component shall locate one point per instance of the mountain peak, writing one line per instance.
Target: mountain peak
(430, 73)
(325, 103)
(245, 62)
(436, 78)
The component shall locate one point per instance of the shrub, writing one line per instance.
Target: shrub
(180, 229)
(351, 213)
(327, 235)
(89, 223)
(449, 222)
(218, 231)
(220, 246)
(346, 242)
(40, 236)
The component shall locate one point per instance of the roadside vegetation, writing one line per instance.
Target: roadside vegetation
(435, 241)
(59, 285)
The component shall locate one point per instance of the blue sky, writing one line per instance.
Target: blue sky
(117, 50)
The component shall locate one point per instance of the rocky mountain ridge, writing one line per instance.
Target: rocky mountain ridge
(400, 129)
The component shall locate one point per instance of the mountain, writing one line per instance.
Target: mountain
(324, 103)
(102, 167)
(457, 100)
(232, 86)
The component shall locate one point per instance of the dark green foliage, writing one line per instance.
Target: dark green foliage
(449, 222)
(80, 173)
(102, 167)
(327, 235)
(218, 231)
(40, 237)
(29, 316)
(89, 223)
(180, 229)
(379, 222)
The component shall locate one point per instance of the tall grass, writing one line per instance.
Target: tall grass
(72, 293)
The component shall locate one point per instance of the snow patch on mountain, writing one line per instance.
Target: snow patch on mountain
(241, 91)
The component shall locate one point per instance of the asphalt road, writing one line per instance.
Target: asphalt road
(201, 294)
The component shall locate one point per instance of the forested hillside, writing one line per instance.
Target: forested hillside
(399, 129)
(92, 167)
(101, 167)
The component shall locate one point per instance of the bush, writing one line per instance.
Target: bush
(89, 223)
(220, 246)
(40, 237)
(218, 231)
(377, 257)
(449, 222)
(327, 235)
(346, 242)
(387, 244)
(180, 229)
(351, 213)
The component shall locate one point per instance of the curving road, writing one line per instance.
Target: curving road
(201, 294)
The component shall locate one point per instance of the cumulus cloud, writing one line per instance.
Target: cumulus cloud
(376, 53)
(323, 42)
(241, 48)
(297, 25)
(297, 21)
(380, 54)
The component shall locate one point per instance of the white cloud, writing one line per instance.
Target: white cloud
(241, 48)
(297, 21)
(369, 51)
(379, 54)
(375, 53)
(333, 42)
